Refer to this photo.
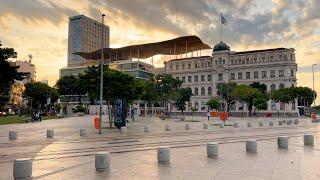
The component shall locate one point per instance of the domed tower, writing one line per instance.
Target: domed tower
(221, 46)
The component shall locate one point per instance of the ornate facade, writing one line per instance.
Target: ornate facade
(276, 68)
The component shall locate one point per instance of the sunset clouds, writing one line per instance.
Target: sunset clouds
(40, 27)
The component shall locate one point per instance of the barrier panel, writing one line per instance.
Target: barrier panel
(224, 116)
(96, 122)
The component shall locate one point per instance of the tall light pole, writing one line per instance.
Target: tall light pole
(101, 74)
(314, 93)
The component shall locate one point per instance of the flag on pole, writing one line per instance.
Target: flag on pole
(223, 20)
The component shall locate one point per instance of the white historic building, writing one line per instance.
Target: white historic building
(276, 68)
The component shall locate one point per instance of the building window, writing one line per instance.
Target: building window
(291, 57)
(189, 78)
(202, 65)
(291, 72)
(195, 65)
(182, 66)
(255, 74)
(177, 78)
(202, 91)
(183, 78)
(209, 77)
(255, 60)
(202, 77)
(195, 78)
(247, 61)
(264, 74)
(209, 91)
(220, 77)
(232, 76)
(281, 86)
(247, 75)
(271, 58)
(272, 73)
(232, 62)
(196, 91)
(272, 87)
(177, 66)
(171, 67)
(281, 73)
(196, 105)
(209, 64)
(239, 75)
(189, 66)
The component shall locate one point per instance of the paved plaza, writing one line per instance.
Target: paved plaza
(134, 155)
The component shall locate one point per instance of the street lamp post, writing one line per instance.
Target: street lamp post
(101, 74)
(314, 93)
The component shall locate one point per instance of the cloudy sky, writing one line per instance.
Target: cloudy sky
(40, 27)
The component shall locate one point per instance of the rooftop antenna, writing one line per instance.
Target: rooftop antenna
(30, 58)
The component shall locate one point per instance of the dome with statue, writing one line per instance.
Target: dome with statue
(221, 46)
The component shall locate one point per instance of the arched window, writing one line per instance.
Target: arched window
(209, 91)
(272, 87)
(203, 91)
(281, 86)
(196, 91)
(292, 85)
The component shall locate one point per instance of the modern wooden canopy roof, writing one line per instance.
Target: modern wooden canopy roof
(180, 45)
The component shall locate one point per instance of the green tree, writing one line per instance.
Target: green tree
(8, 74)
(224, 90)
(213, 103)
(183, 95)
(38, 93)
(304, 95)
(246, 93)
(70, 86)
(260, 103)
(166, 86)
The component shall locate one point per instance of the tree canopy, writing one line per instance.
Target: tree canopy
(213, 103)
(8, 74)
(38, 93)
(183, 95)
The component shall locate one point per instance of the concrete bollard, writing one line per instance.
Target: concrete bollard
(124, 130)
(163, 154)
(283, 142)
(22, 168)
(289, 122)
(212, 150)
(187, 127)
(308, 139)
(260, 123)
(251, 145)
(146, 128)
(270, 123)
(82, 132)
(102, 161)
(280, 123)
(50, 133)
(236, 124)
(205, 125)
(13, 135)
(249, 124)
(296, 121)
(221, 125)
(168, 127)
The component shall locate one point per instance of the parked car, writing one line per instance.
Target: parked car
(3, 114)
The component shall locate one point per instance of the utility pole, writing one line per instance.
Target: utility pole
(101, 74)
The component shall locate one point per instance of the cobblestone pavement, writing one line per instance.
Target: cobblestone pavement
(133, 155)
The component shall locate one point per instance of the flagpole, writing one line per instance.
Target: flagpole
(220, 27)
